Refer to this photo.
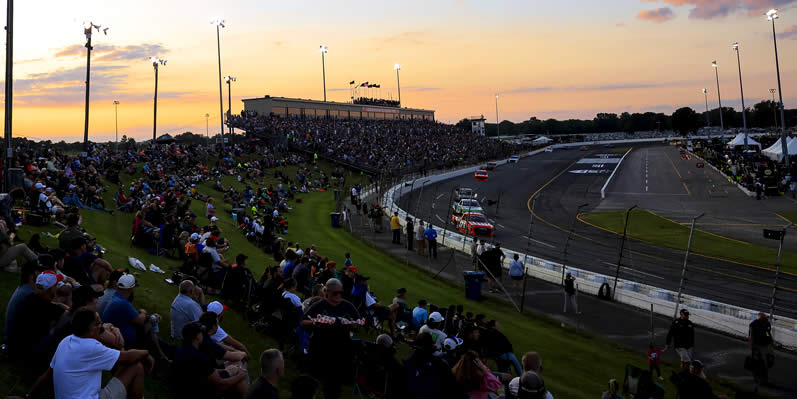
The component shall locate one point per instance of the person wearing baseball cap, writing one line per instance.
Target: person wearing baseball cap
(220, 336)
(121, 313)
(35, 317)
(432, 327)
(107, 294)
(27, 285)
(532, 386)
(682, 335)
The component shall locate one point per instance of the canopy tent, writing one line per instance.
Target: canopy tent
(739, 141)
(542, 140)
(165, 139)
(775, 152)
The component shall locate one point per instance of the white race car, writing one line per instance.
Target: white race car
(467, 206)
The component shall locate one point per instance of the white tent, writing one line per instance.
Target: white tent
(542, 140)
(739, 141)
(775, 152)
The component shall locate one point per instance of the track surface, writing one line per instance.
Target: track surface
(562, 185)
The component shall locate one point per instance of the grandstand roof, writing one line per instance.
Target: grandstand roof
(296, 106)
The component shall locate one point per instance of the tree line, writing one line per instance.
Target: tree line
(683, 120)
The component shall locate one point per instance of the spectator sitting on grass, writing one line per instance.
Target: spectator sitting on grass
(10, 252)
(496, 344)
(77, 366)
(107, 295)
(532, 386)
(221, 337)
(85, 267)
(532, 362)
(196, 374)
(184, 309)
(26, 287)
(35, 317)
(419, 314)
(272, 368)
(209, 320)
(471, 373)
(612, 390)
(428, 376)
(433, 328)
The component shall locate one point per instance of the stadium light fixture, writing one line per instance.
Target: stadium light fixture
(397, 67)
(735, 46)
(88, 27)
(220, 23)
(323, 50)
(772, 15)
(156, 63)
(229, 80)
(719, 97)
(116, 122)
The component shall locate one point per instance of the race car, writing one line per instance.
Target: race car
(583, 148)
(467, 206)
(473, 224)
(463, 193)
(513, 159)
(480, 175)
(491, 166)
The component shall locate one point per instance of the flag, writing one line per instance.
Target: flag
(351, 83)
(378, 86)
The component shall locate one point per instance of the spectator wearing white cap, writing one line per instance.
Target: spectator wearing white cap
(136, 326)
(220, 336)
(48, 201)
(35, 317)
(432, 327)
(449, 352)
(531, 362)
(184, 309)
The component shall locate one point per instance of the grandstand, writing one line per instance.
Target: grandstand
(297, 107)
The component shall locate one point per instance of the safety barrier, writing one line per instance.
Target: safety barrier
(726, 318)
(611, 176)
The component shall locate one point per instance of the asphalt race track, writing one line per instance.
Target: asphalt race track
(653, 177)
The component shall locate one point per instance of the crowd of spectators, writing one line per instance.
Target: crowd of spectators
(73, 315)
(383, 146)
(376, 101)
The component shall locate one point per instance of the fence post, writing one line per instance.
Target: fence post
(622, 246)
(686, 259)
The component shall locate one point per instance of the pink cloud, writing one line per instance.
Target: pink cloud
(790, 32)
(657, 15)
(707, 9)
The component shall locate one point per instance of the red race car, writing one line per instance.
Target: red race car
(480, 175)
(473, 224)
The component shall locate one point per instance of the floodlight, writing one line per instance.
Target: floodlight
(772, 14)
(322, 48)
(735, 46)
(218, 21)
(397, 66)
(714, 64)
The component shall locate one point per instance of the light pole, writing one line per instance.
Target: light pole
(774, 109)
(87, 27)
(229, 80)
(705, 97)
(207, 131)
(397, 67)
(772, 15)
(9, 84)
(116, 122)
(155, 63)
(219, 24)
(741, 88)
(719, 98)
(323, 49)
(497, 124)
(686, 259)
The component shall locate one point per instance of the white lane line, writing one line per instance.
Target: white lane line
(439, 218)
(491, 220)
(646, 170)
(440, 196)
(501, 226)
(539, 242)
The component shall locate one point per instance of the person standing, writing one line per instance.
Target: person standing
(474, 255)
(419, 238)
(395, 227)
(570, 293)
(760, 339)
(410, 228)
(431, 236)
(793, 187)
(682, 334)
(516, 271)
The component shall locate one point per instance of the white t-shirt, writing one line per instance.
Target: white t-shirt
(369, 300)
(77, 366)
(514, 386)
(219, 335)
(293, 297)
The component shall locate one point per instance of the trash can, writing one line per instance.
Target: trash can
(337, 195)
(335, 219)
(473, 285)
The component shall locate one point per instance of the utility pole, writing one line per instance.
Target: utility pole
(9, 91)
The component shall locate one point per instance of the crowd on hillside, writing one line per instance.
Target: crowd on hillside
(386, 146)
(73, 315)
(750, 168)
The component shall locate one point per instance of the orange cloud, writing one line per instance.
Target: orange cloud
(657, 15)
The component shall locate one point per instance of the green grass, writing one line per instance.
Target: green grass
(649, 227)
(570, 355)
(792, 216)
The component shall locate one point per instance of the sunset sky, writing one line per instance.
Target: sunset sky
(565, 59)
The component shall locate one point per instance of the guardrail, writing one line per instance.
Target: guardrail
(603, 189)
(730, 319)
